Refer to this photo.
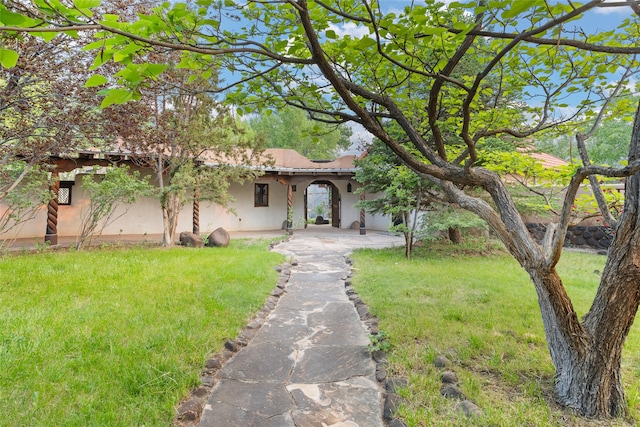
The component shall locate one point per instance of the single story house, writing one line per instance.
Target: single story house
(276, 200)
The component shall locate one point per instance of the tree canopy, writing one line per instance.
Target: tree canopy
(529, 59)
(290, 127)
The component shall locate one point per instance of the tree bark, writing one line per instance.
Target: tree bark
(587, 355)
(408, 244)
(170, 212)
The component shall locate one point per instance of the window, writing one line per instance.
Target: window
(64, 193)
(261, 195)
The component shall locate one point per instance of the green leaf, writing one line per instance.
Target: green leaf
(11, 18)
(154, 70)
(366, 42)
(99, 44)
(517, 7)
(86, 4)
(45, 35)
(8, 58)
(95, 80)
(101, 58)
(116, 96)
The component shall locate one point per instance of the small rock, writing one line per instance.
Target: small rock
(213, 363)
(206, 380)
(201, 391)
(441, 362)
(233, 346)
(391, 403)
(294, 262)
(363, 311)
(469, 408)
(381, 374)
(393, 384)
(246, 335)
(189, 410)
(450, 391)
(449, 377)
(396, 423)
(266, 309)
(379, 356)
(254, 325)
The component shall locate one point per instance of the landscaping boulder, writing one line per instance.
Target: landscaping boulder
(219, 238)
(190, 239)
(469, 409)
(320, 220)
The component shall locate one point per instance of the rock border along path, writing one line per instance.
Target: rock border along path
(308, 364)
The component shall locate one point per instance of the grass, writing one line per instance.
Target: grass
(118, 337)
(479, 309)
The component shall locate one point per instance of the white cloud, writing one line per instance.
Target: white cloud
(614, 10)
(350, 29)
(359, 139)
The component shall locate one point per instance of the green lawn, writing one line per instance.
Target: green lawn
(119, 337)
(481, 312)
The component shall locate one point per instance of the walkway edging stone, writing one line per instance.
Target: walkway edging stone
(190, 409)
(391, 400)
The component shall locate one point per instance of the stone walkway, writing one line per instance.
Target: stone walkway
(309, 363)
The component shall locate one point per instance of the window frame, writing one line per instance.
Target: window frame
(261, 195)
(67, 185)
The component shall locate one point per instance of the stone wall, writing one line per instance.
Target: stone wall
(598, 238)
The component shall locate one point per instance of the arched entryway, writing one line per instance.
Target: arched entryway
(322, 199)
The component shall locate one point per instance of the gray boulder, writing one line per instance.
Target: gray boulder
(219, 238)
(190, 239)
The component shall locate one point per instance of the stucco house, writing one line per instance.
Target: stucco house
(279, 199)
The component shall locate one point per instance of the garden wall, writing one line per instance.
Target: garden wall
(594, 237)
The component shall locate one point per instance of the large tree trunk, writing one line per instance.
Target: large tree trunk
(587, 355)
(170, 212)
(587, 366)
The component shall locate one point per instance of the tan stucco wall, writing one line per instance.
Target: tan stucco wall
(145, 216)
